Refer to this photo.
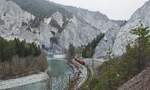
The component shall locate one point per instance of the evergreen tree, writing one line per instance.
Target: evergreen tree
(8, 49)
(71, 51)
(142, 43)
(89, 50)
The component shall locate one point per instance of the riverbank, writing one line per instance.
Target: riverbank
(11, 83)
(80, 75)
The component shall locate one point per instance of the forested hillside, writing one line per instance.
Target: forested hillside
(18, 58)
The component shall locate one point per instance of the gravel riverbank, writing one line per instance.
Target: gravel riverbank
(82, 71)
(11, 83)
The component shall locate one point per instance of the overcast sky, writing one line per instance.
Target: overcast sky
(114, 9)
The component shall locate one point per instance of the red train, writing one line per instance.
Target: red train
(80, 61)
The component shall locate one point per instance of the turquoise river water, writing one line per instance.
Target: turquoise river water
(59, 73)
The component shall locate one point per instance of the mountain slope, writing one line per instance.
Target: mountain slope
(40, 21)
(41, 8)
(124, 36)
(117, 39)
(17, 23)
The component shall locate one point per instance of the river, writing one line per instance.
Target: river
(59, 73)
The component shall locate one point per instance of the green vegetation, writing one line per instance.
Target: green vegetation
(117, 71)
(89, 50)
(8, 49)
(84, 51)
(71, 52)
(143, 45)
(18, 58)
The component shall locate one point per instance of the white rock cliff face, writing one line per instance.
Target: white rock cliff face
(11, 18)
(117, 40)
(14, 23)
(77, 33)
(106, 44)
(84, 27)
(78, 29)
(124, 36)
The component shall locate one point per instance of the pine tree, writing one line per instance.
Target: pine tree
(11, 48)
(142, 43)
(71, 51)
(89, 50)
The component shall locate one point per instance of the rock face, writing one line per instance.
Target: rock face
(17, 23)
(40, 21)
(118, 39)
(139, 82)
(124, 36)
(56, 26)
(106, 44)
(11, 18)
(85, 26)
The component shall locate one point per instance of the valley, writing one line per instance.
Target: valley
(49, 46)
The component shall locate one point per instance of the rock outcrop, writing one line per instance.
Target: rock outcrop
(139, 82)
(37, 21)
(124, 36)
(46, 23)
(17, 23)
(118, 39)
